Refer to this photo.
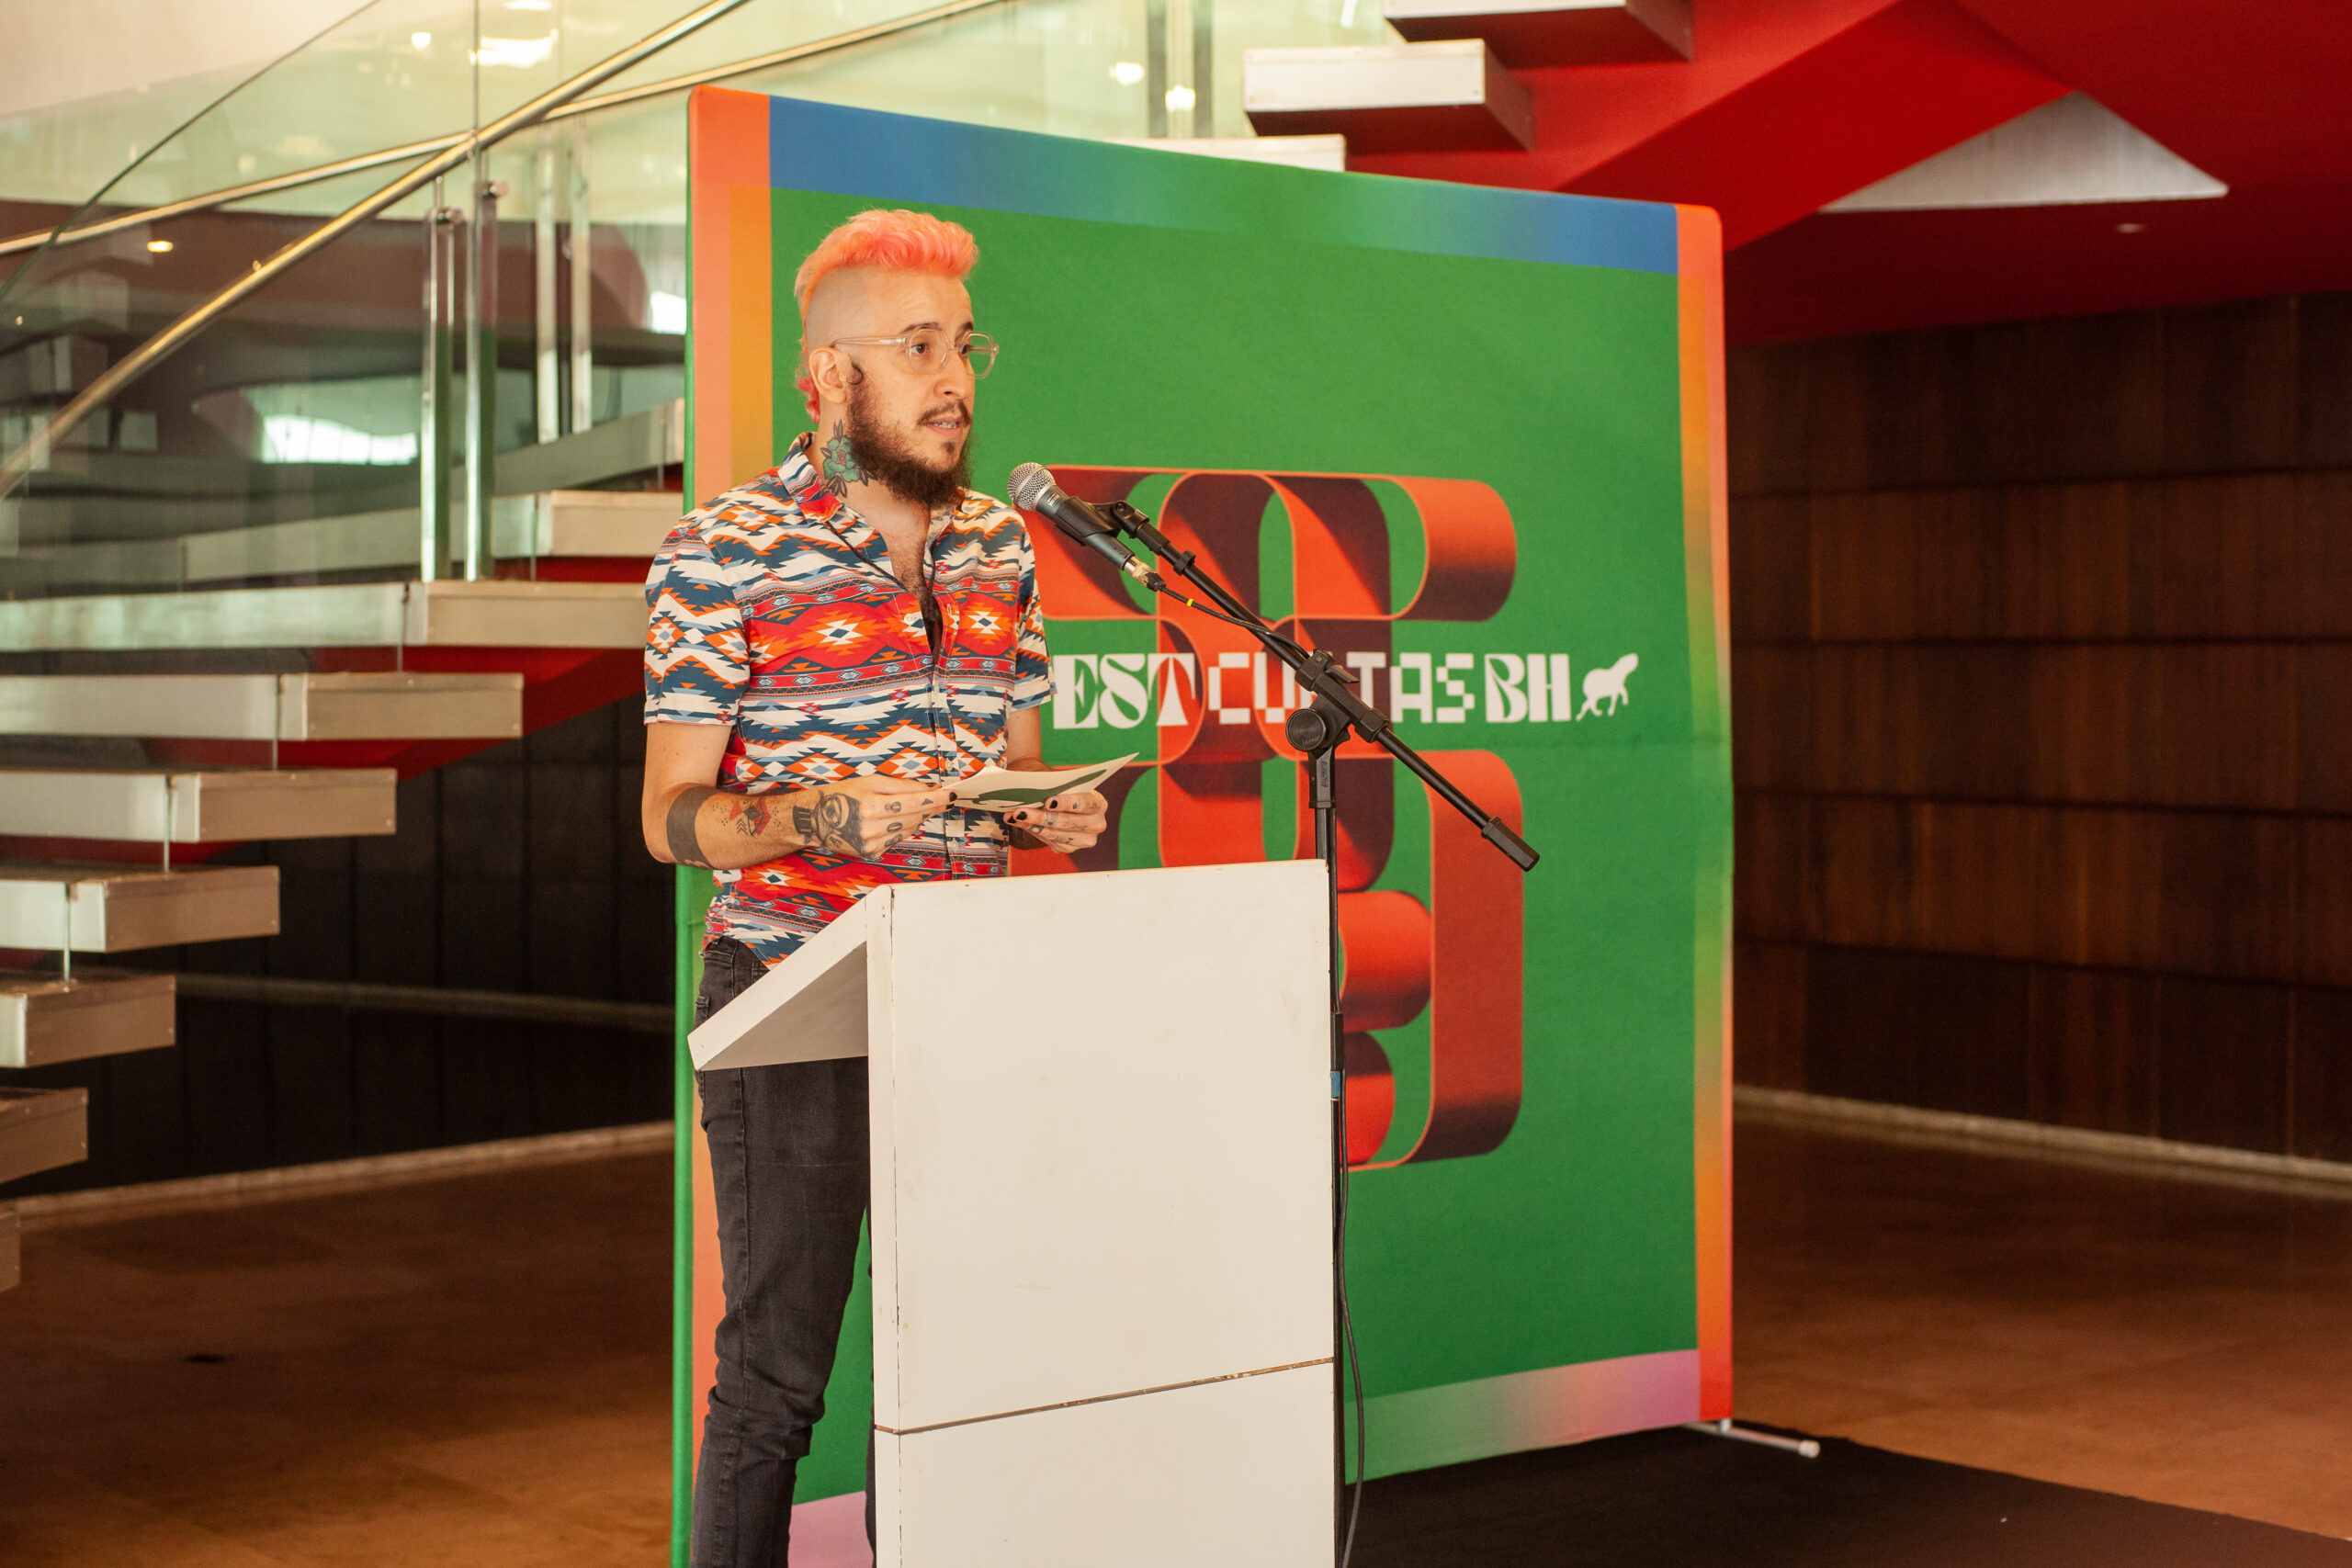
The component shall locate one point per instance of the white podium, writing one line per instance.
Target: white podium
(1101, 1222)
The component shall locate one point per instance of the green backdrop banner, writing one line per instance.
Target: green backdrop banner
(1471, 439)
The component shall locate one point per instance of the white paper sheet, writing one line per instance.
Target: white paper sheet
(1004, 789)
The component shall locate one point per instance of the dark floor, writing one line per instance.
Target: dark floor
(1679, 1498)
(2181, 1341)
(476, 1370)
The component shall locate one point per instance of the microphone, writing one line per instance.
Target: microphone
(1033, 489)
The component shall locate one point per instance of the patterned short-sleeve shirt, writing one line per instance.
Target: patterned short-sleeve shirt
(774, 612)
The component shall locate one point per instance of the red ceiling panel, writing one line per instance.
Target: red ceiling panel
(1792, 104)
(1903, 84)
(2251, 91)
(1881, 271)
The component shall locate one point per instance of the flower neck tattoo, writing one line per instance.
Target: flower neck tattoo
(841, 466)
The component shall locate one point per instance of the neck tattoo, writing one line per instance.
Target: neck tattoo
(841, 467)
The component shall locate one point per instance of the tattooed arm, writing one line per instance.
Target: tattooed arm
(687, 821)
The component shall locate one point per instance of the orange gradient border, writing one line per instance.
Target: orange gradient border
(1705, 517)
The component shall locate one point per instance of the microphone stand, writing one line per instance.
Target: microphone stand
(1318, 729)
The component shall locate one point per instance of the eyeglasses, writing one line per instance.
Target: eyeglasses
(928, 349)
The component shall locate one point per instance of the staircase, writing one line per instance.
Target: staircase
(76, 884)
(1767, 110)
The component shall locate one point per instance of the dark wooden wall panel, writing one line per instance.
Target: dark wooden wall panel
(2223, 1072)
(2220, 389)
(1768, 981)
(2323, 919)
(1771, 570)
(2094, 1056)
(2230, 387)
(2322, 1075)
(2324, 371)
(2042, 663)
(2323, 554)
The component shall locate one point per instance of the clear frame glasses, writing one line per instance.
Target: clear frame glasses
(926, 349)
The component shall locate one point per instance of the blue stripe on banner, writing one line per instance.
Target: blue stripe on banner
(905, 159)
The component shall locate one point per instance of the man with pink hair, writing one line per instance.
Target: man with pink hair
(832, 646)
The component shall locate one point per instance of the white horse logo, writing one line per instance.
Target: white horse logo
(1608, 685)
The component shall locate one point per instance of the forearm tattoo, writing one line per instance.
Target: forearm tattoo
(752, 818)
(685, 844)
(832, 822)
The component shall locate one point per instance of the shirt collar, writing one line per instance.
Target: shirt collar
(799, 480)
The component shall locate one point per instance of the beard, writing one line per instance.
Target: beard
(887, 461)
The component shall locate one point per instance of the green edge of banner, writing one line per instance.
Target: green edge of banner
(693, 892)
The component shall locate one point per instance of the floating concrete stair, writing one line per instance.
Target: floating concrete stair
(1554, 32)
(228, 805)
(41, 1129)
(358, 706)
(1451, 96)
(45, 1019)
(354, 615)
(653, 440)
(10, 1270)
(587, 523)
(120, 909)
(550, 525)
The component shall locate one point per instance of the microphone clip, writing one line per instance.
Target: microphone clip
(1137, 526)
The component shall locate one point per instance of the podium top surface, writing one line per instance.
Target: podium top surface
(813, 1005)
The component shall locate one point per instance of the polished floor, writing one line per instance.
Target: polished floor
(475, 1370)
(2174, 1340)
(471, 1371)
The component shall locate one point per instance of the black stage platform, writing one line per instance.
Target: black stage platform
(1680, 1499)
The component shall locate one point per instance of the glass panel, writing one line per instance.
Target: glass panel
(321, 429)
(216, 470)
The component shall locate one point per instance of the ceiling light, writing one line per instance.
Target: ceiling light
(159, 246)
(2131, 228)
(515, 52)
(1126, 73)
(419, 40)
(1179, 98)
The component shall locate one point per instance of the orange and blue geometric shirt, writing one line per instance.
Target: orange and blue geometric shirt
(774, 612)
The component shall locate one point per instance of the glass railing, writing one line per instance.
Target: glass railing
(385, 408)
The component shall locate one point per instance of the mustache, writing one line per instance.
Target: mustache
(962, 414)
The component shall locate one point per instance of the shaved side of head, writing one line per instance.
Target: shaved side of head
(842, 305)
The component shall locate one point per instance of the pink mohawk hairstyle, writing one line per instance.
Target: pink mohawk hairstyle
(892, 240)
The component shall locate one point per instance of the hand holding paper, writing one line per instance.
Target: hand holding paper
(1009, 789)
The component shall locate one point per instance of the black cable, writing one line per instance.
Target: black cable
(1260, 627)
(1347, 1336)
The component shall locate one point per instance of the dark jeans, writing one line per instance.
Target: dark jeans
(788, 1168)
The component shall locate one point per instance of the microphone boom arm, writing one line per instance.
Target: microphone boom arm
(1318, 672)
